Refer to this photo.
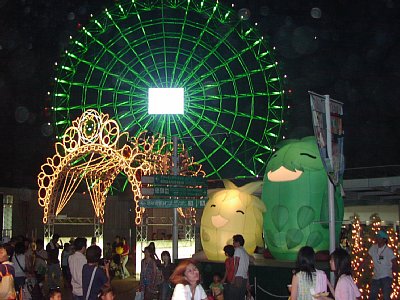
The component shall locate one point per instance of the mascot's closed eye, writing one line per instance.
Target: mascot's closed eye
(309, 155)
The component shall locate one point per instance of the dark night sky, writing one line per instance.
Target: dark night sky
(354, 58)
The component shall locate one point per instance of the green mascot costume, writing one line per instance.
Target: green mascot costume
(295, 192)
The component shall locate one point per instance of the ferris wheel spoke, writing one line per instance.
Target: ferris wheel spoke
(122, 34)
(220, 145)
(211, 52)
(194, 48)
(200, 149)
(116, 57)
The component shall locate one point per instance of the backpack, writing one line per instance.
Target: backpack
(7, 290)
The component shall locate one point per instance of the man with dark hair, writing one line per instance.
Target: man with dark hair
(94, 277)
(385, 265)
(53, 263)
(241, 258)
(76, 262)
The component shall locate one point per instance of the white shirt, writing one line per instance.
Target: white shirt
(183, 292)
(382, 258)
(76, 262)
(19, 270)
(243, 267)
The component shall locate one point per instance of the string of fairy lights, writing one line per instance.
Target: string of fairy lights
(361, 240)
(93, 152)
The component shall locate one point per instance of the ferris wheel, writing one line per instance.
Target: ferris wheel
(233, 96)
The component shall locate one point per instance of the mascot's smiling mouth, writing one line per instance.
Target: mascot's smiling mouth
(283, 174)
(218, 221)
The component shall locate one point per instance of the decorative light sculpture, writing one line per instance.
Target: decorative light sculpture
(359, 254)
(93, 151)
(361, 261)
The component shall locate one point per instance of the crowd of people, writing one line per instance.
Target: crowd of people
(24, 265)
(182, 281)
(308, 282)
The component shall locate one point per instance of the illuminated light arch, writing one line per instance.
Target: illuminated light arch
(93, 151)
(233, 87)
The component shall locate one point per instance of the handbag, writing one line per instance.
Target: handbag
(7, 289)
(159, 277)
(139, 296)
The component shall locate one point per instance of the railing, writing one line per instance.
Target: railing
(372, 172)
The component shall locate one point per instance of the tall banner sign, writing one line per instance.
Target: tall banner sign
(327, 116)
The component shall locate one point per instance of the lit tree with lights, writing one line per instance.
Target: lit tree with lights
(359, 254)
(370, 233)
(393, 243)
(362, 263)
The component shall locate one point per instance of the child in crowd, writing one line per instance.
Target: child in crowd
(107, 293)
(55, 294)
(216, 287)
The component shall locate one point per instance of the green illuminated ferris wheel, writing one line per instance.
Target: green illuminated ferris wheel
(233, 96)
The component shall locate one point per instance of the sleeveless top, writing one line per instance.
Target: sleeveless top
(305, 284)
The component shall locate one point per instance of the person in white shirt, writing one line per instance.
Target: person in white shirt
(76, 262)
(19, 262)
(186, 276)
(384, 265)
(241, 260)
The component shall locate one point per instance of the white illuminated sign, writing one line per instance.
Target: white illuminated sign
(166, 101)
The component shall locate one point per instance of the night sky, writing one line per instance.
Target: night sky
(347, 49)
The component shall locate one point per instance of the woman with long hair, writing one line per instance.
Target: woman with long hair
(148, 275)
(152, 249)
(186, 277)
(307, 280)
(345, 288)
(167, 268)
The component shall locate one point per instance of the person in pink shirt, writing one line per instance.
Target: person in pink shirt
(345, 288)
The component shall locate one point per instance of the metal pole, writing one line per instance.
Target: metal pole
(331, 188)
(175, 171)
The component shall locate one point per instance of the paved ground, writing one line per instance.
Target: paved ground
(125, 288)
